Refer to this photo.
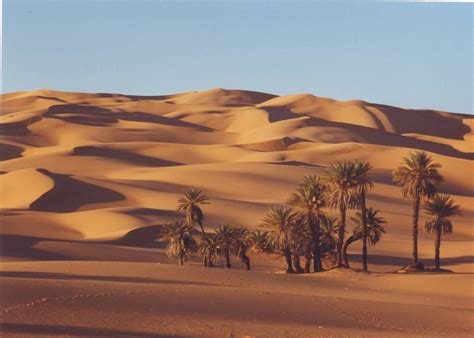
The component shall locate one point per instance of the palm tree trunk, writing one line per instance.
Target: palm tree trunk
(246, 260)
(416, 212)
(202, 230)
(210, 263)
(342, 227)
(205, 261)
(363, 213)
(307, 261)
(227, 257)
(316, 249)
(242, 254)
(296, 264)
(311, 250)
(348, 242)
(437, 246)
(289, 265)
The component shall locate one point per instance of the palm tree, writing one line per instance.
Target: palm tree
(209, 250)
(225, 235)
(372, 231)
(309, 198)
(191, 205)
(279, 221)
(242, 243)
(419, 178)
(340, 179)
(362, 183)
(328, 235)
(328, 232)
(439, 209)
(178, 234)
(259, 241)
(300, 243)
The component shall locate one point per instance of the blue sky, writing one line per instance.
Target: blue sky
(410, 55)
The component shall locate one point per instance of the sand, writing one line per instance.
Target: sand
(86, 180)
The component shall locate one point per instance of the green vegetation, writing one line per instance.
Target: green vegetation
(308, 230)
(419, 178)
(369, 227)
(180, 241)
(439, 210)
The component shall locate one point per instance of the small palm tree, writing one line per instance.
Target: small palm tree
(328, 235)
(279, 221)
(178, 234)
(209, 250)
(419, 178)
(372, 231)
(300, 241)
(191, 204)
(340, 179)
(226, 235)
(439, 210)
(242, 243)
(362, 183)
(259, 241)
(309, 199)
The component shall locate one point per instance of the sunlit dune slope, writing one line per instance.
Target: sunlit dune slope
(96, 166)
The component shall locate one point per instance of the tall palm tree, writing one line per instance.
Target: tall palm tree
(340, 179)
(372, 231)
(419, 178)
(279, 221)
(242, 243)
(191, 204)
(209, 250)
(309, 199)
(178, 234)
(362, 183)
(439, 210)
(225, 235)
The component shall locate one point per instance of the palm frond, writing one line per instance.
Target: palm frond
(259, 240)
(439, 209)
(190, 203)
(375, 228)
(279, 221)
(341, 182)
(418, 176)
(226, 234)
(179, 238)
(210, 248)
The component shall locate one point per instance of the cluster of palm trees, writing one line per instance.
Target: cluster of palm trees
(227, 240)
(304, 228)
(342, 186)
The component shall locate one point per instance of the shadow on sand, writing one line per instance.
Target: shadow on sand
(402, 261)
(73, 330)
(95, 278)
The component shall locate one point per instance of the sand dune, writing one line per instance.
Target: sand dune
(226, 142)
(49, 135)
(91, 177)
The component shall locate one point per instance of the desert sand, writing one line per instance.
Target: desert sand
(87, 179)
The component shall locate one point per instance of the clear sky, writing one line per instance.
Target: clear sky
(410, 55)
